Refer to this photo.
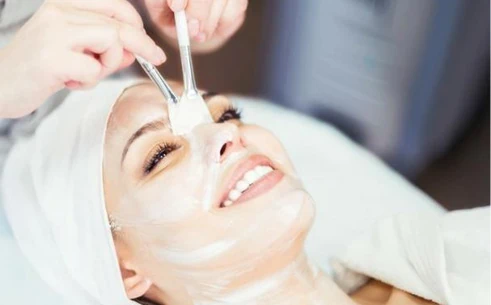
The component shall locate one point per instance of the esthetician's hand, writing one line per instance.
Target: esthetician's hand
(73, 44)
(210, 22)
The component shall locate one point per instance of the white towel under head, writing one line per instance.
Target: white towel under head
(53, 195)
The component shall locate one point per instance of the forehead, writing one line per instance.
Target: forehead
(140, 104)
(137, 104)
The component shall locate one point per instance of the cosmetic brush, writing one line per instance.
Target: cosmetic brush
(191, 109)
(158, 80)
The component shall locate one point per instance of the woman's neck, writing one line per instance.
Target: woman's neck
(300, 282)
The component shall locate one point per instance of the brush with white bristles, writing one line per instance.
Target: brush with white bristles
(191, 109)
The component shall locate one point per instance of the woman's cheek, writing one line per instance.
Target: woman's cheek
(268, 144)
(169, 201)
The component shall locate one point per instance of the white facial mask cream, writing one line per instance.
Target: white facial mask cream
(188, 113)
(241, 254)
(209, 254)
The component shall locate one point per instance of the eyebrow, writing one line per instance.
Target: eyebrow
(148, 127)
(207, 95)
(154, 126)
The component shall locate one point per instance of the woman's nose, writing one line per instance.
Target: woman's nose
(221, 140)
(231, 146)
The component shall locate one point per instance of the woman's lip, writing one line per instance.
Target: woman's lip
(261, 186)
(243, 168)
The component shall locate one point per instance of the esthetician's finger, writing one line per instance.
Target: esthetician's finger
(73, 85)
(169, 27)
(85, 18)
(166, 23)
(101, 40)
(79, 67)
(232, 18)
(159, 12)
(226, 32)
(139, 43)
(120, 10)
(216, 11)
(128, 59)
(111, 60)
(199, 10)
(177, 5)
(98, 38)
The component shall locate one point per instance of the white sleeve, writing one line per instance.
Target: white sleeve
(13, 14)
(16, 11)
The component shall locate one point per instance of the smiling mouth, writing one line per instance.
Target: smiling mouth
(252, 178)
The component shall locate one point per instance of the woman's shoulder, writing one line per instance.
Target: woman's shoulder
(376, 292)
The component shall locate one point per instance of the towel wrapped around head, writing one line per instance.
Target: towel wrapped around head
(52, 191)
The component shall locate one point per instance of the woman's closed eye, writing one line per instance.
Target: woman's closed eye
(163, 150)
(159, 153)
(230, 113)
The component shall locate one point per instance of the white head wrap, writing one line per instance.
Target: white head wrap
(52, 190)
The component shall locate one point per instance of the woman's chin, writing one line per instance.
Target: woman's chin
(263, 260)
(283, 241)
(283, 215)
(301, 205)
(294, 211)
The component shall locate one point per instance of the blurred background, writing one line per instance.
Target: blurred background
(408, 79)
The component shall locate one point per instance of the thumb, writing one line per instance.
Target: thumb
(155, 5)
(160, 12)
(177, 5)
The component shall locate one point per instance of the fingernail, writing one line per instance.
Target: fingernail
(193, 27)
(159, 55)
(201, 37)
(177, 5)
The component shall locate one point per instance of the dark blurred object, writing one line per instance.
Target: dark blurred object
(460, 179)
(405, 74)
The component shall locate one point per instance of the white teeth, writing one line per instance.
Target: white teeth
(249, 178)
(263, 170)
(234, 195)
(260, 170)
(242, 185)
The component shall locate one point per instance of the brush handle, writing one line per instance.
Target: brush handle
(190, 88)
(182, 29)
(158, 79)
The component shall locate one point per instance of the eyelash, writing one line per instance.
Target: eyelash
(162, 151)
(230, 113)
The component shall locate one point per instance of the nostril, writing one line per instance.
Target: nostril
(224, 148)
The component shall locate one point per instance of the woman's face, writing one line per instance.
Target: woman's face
(202, 214)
